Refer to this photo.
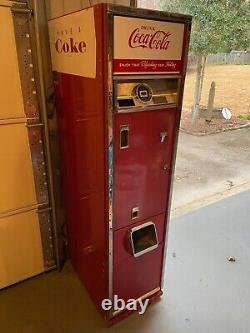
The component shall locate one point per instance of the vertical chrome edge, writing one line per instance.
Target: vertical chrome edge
(181, 90)
(110, 28)
(36, 41)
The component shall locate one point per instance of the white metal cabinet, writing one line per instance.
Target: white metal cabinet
(26, 232)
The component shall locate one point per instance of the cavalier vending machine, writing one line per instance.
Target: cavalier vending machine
(119, 75)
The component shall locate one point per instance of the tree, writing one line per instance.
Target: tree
(218, 26)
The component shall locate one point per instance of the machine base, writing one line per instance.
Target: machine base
(123, 314)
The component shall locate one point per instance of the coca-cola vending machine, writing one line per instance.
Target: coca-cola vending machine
(119, 77)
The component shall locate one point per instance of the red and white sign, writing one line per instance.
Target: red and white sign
(143, 46)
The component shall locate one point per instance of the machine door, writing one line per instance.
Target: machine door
(142, 155)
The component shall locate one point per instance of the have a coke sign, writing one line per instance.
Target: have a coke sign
(147, 46)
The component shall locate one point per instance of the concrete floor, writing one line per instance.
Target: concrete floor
(209, 168)
(204, 292)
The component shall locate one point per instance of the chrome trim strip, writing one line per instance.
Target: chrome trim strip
(35, 125)
(110, 156)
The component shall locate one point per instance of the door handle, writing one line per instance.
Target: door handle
(163, 135)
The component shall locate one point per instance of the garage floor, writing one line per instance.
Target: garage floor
(204, 291)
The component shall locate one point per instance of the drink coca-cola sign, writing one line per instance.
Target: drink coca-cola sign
(142, 45)
(158, 40)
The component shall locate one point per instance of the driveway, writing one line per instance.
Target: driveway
(209, 168)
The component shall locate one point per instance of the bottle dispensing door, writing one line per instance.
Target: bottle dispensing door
(144, 129)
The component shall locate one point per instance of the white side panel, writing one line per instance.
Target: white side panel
(73, 43)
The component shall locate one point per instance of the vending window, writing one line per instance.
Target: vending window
(143, 238)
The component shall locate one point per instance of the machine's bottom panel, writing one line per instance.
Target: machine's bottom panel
(21, 253)
(137, 276)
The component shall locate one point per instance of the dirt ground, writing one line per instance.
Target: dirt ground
(203, 127)
(232, 88)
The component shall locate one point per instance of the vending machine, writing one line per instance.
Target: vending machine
(119, 75)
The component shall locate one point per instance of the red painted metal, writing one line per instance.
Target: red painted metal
(81, 118)
(141, 177)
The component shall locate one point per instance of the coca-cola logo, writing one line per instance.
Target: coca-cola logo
(155, 39)
(70, 46)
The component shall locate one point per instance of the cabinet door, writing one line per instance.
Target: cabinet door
(142, 156)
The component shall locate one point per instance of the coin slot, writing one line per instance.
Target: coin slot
(126, 102)
(135, 213)
(124, 137)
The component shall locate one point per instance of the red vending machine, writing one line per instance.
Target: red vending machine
(119, 77)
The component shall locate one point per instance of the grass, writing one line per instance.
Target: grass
(232, 88)
(244, 116)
